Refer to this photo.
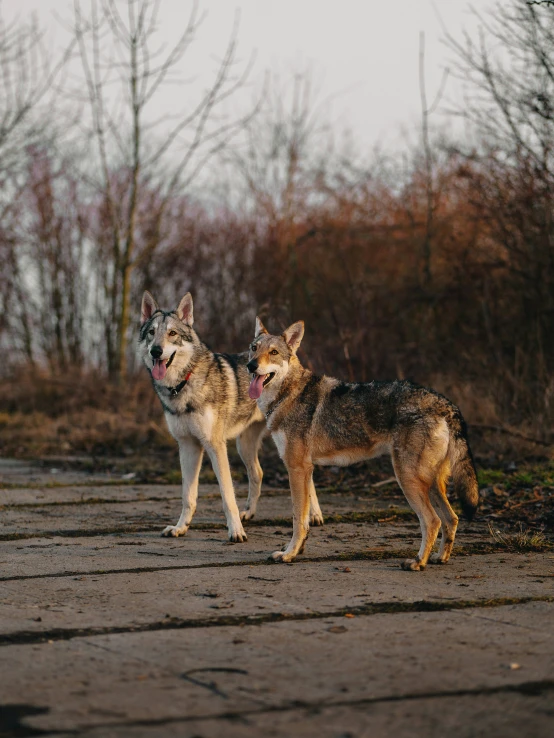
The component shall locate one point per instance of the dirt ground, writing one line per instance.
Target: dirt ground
(107, 629)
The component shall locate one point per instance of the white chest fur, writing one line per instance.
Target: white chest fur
(280, 441)
(200, 425)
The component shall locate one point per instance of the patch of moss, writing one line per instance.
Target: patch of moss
(489, 477)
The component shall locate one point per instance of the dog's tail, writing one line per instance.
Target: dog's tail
(464, 477)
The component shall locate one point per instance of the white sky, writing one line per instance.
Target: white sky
(363, 54)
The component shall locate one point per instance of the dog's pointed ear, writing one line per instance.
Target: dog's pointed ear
(293, 335)
(260, 328)
(148, 307)
(184, 311)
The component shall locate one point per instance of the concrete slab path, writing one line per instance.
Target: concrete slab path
(107, 629)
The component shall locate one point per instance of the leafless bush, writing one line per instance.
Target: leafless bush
(437, 265)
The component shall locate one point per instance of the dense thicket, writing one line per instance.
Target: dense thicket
(437, 265)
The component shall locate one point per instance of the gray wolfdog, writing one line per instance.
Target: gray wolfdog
(205, 401)
(320, 420)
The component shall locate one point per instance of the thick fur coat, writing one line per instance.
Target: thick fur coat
(320, 420)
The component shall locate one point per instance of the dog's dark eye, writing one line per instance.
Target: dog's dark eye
(254, 347)
(172, 333)
(151, 332)
(273, 352)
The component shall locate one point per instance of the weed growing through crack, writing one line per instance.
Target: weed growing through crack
(522, 540)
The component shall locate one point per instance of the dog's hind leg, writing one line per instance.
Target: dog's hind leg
(448, 517)
(248, 444)
(316, 516)
(220, 462)
(417, 494)
(416, 491)
(190, 455)
(299, 478)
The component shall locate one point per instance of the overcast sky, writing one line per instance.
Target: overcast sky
(363, 54)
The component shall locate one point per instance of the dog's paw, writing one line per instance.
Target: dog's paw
(282, 557)
(436, 558)
(412, 565)
(238, 536)
(174, 531)
(316, 519)
(246, 514)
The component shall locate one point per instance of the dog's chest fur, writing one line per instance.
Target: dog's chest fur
(197, 423)
(214, 402)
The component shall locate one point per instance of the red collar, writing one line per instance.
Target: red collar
(173, 391)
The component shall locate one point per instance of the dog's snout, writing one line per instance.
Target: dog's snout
(156, 352)
(252, 366)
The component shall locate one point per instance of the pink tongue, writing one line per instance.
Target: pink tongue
(159, 369)
(256, 387)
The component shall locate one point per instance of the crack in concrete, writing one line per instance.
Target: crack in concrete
(474, 549)
(371, 516)
(528, 689)
(88, 501)
(276, 492)
(26, 637)
(211, 685)
(64, 485)
(80, 533)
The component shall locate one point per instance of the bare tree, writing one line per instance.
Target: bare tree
(510, 105)
(27, 73)
(509, 77)
(426, 112)
(278, 162)
(53, 238)
(27, 76)
(124, 70)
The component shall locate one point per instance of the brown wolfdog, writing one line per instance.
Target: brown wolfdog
(320, 420)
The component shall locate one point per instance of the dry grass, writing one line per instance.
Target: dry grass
(521, 540)
(41, 414)
(91, 431)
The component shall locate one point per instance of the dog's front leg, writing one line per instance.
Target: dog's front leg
(190, 455)
(248, 444)
(220, 462)
(316, 516)
(300, 480)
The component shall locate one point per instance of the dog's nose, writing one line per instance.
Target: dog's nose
(156, 352)
(252, 366)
